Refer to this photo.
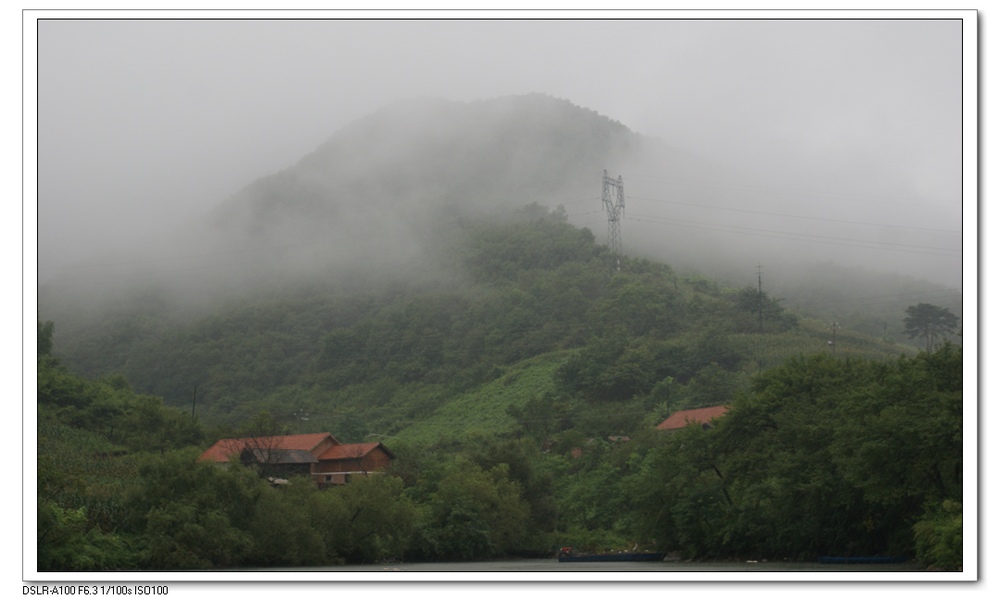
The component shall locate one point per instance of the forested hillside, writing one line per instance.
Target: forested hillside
(521, 396)
(388, 353)
(433, 292)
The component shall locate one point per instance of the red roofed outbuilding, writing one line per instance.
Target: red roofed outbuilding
(338, 464)
(319, 455)
(314, 443)
(683, 418)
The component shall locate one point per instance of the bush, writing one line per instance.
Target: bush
(938, 537)
(67, 543)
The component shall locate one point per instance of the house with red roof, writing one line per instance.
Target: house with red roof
(339, 463)
(682, 418)
(318, 455)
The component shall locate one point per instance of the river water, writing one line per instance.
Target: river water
(552, 564)
(539, 568)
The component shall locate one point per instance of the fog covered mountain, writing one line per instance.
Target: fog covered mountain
(381, 196)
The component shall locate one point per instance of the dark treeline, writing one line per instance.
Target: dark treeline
(852, 449)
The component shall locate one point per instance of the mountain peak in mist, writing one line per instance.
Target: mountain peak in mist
(388, 175)
(382, 191)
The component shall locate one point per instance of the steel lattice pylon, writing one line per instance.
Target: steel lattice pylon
(613, 197)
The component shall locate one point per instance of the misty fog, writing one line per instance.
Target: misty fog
(189, 153)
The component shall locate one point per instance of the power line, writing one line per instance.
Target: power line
(869, 244)
(888, 298)
(791, 216)
(798, 192)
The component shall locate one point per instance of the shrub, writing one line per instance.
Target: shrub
(938, 537)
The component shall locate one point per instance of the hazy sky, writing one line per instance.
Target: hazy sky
(142, 124)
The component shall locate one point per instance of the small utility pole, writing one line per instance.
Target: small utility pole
(760, 298)
(760, 319)
(833, 342)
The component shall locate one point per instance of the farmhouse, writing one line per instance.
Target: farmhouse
(319, 455)
(682, 418)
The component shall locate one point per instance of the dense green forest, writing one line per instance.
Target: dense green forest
(520, 387)
(359, 355)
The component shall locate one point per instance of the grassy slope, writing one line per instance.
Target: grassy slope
(484, 410)
(814, 337)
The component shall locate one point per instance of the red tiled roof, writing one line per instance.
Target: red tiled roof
(682, 418)
(221, 450)
(353, 451)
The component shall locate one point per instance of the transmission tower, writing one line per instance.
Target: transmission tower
(613, 197)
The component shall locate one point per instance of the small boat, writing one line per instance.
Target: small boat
(567, 555)
(861, 560)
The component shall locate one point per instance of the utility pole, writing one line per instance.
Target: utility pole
(833, 342)
(760, 319)
(613, 197)
(760, 299)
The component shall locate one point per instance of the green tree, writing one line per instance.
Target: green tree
(66, 542)
(192, 514)
(475, 513)
(901, 443)
(678, 496)
(368, 520)
(755, 310)
(182, 536)
(283, 533)
(711, 386)
(45, 338)
(938, 537)
(529, 467)
(929, 322)
(855, 449)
